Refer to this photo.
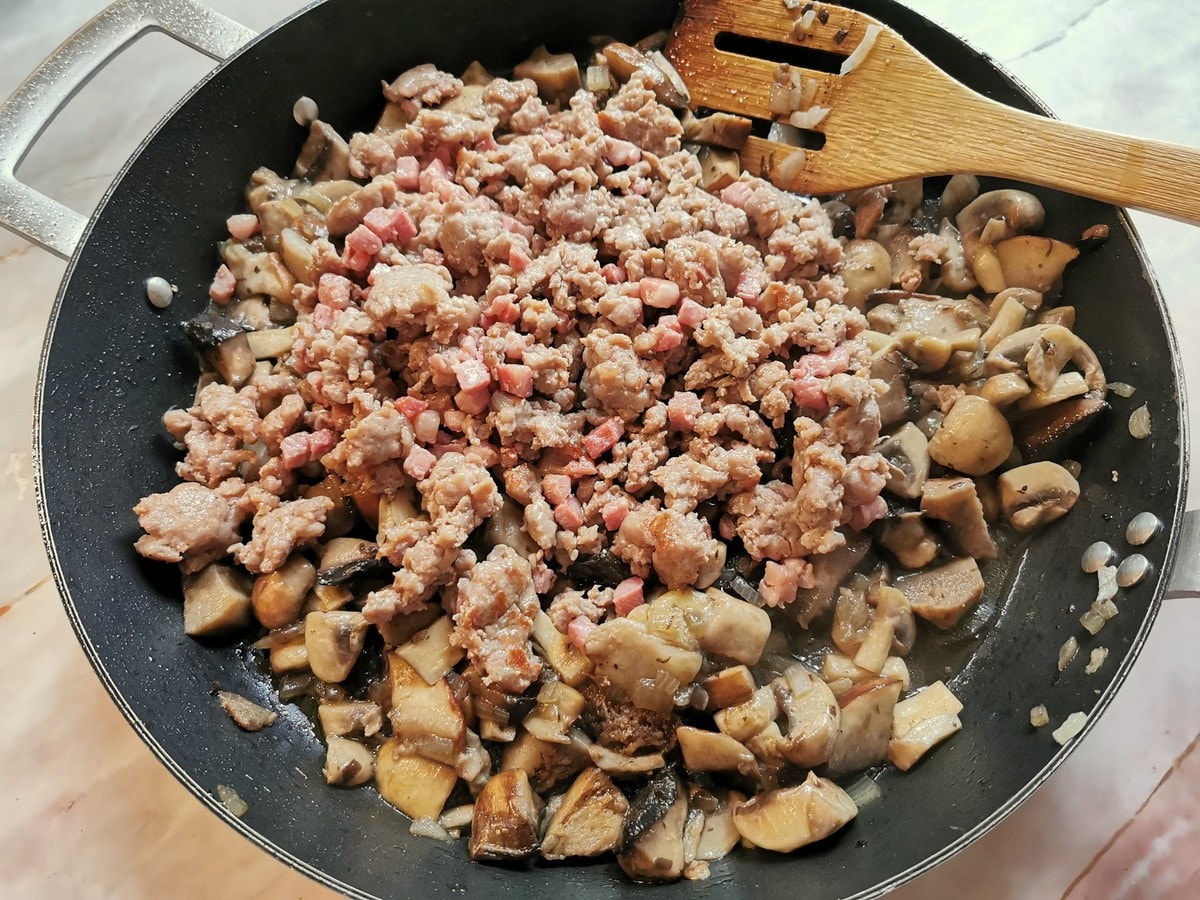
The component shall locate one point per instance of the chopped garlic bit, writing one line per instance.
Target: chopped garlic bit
(1139, 422)
(1096, 660)
(1038, 716)
(231, 800)
(1067, 652)
(1071, 727)
(1121, 389)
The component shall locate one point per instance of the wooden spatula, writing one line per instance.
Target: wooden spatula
(892, 114)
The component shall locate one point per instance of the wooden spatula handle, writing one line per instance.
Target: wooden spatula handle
(1114, 168)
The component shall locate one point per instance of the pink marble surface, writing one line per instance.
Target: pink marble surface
(88, 812)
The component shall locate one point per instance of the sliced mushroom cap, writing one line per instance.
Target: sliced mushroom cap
(279, 595)
(1043, 351)
(568, 661)
(418, 787)
(955, 502)
(866, 266)
(719, 168)
(865, 725)
(829, 571)
(890, 366)
(922, 721)
(325, 155)
(908, 538)
(1012, 211)
(624, 60)
(625, 654)
(555, 74)
(427, 717)
(733, 628)
(1048, 432)
(1034, 262)
(344, 559)
(334, 641)
(347, 762)
(712, 751)
(588, 821)
(223, 345)
(812, 713)
(729, 687)
(341, 718)
(546, 764)
(907, 455)
(788, 818)
(558, 706)
(1037, 493)
(719, 128)
(943, 594)
(748, 719)
(652, 831)
(719, 835)
(505, 822)
(959, 191)
(974, 438)
(431, 652)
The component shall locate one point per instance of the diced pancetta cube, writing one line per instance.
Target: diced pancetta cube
(419, 462)
(223, 285)
(627, 596)
(557, 488)
(515, 379)
(243, 226)
(603, 437)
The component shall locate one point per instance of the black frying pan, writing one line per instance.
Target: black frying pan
(112, 364)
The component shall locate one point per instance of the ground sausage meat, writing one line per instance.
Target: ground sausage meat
(495, 609)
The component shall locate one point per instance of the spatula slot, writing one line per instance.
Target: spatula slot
(804, 57)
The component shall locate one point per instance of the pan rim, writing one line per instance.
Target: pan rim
(960, 843)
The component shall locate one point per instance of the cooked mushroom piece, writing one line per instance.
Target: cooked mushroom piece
(908, 539)
(418, 787)
(624, 60)
(558, 706)
(812, 713)
(652, 831)
(568, 661)
(343, 559)
(1034, 262)
(719, 835)
(729, 687)
(1037, 493)
(956, 275)
(619, 763)
(719, 168)
(278, 596)
(340, 718)
(922, 721)
(601, 568)
(992, 217)
(505, 821)
(829, 571)
(259, 273)
(430, 651)
(546, 764)
(712, 751)
(836, 668)
(334, 641)
(216, 600)
(959, 191)
(1005, 390)
(732, 628)
(748, 719)
(246, 714)
(555, 74)
(955, 502)
(788, 818)
(973, 439)
(288, 653)
(865, 725)
(889, 366)
(1007, 319)
(325, 155)
(719, 129)
(1048, 432)
(588, 820)
(907, 453)
(1043, 351)
(941, 595)
(627, 656)
(223, 345)
(347, 762)
(866, 266)
(892, 630)
(427, 717)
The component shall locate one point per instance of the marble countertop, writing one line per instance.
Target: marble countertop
(89, 812)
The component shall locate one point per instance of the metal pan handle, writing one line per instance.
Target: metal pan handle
(25, 114)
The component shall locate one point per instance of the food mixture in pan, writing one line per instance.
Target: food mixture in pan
(534, 440)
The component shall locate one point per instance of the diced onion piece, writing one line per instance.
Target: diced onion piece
(1121, 389)
(430, 828)
(1071, 727)
(458, 817)
(851, 62)
(1139, 422)
(231, 800)
(1096, 660)
(863, 791)
(1105, 608)
(1038, 716)
(1067, 652)
(790, 169)
(808, 118)
(1092, 622)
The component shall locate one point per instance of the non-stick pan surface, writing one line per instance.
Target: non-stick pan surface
(113, 364)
